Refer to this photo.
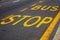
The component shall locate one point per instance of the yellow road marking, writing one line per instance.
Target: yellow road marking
(24, 9)
(50, 29)
(20, 20)
(40, 1)
(7, 17)
(34, 4)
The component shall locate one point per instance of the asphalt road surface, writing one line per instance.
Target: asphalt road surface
(57, 35)
(33, 20)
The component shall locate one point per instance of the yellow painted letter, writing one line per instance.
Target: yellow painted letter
(28, 25)
(10, 18)
(44, 21)
(45, 7)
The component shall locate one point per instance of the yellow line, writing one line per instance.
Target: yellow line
(50, 29)
(24, 9)
(7, 17)
(40, 1)
(34, 4)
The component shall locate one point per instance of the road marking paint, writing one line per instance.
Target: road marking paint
(24, 17)
(11, 19)
(50, 29)
(33, 23)
(24, 9)
(44, 21)
(34, 4)
(7, 17)
(40, 1)
(44, 8)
